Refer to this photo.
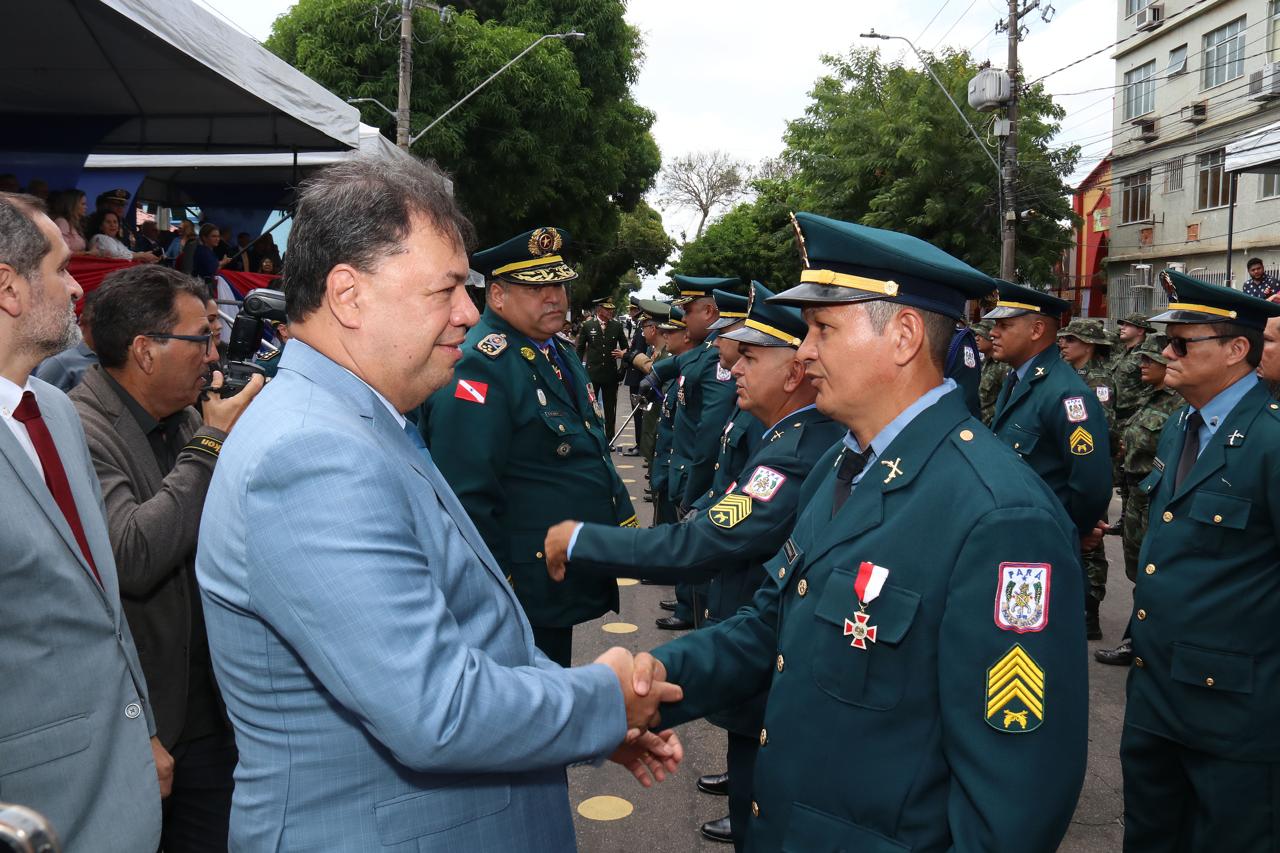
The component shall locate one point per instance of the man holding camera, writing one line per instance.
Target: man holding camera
(154, 455)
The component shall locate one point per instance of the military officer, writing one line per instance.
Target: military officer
(519, 437)
(1139, 439)
(655, 350)
(601, 342)
(875, 632)
(729, 541)
(962, 366)
(675, 339)
(1047, 414)
(741, 434)
(1200, 751)
(993, 372)
(1131, 391)
(1085, 346)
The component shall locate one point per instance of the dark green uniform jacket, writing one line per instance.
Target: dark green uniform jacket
(705, 397)
(1207, 601)
(1054, 421)
(728, 542)
(660, 469)
(915, 740)
(963, 367)
(738, 441)
(595, 349)
(522, 460)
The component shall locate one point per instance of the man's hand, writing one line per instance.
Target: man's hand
(651, 756)
(164, 767)
(223, 412)
(642, 707)
(556, 547)
(1093, 538)
(618, 353)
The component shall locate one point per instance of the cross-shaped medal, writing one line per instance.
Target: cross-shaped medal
(858, 628)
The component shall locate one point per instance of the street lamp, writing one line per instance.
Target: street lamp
(491, 77)
(388, 109)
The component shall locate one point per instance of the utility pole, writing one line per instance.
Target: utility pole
(406, 73)
(1009, 171)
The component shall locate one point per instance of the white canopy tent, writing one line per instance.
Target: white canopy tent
(1256, 151)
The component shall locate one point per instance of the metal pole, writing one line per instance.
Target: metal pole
(627, 421)
(1231, 223)
(1008, 175)
(406, 73)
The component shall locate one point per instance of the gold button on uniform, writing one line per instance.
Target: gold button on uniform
(706, 613)
(1151, 568)
(1168, 516)
(1217, 519)
(1139, 663)
(1208, 682)
(781, 663)
(764, 736)
(802, 587)
(966, 435)
(755, 808)
(1142, 614)
(538, 555)
(782, 572)
(1016, 445)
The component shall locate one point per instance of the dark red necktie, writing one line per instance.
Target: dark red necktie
(55, 476)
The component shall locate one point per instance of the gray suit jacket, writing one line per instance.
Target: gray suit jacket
(75, 724)
(152, 517)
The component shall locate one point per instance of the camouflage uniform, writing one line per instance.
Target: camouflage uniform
(992, 377)
(1132, 393)
(1141, 436)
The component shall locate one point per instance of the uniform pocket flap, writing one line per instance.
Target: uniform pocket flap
(427, 812)
(44, 744)
(783, 565)
(890, 613)
(1149, 483)
(1221, 510)
(1211, 669)
(562, 421)
(1021, 440)
(812, 831)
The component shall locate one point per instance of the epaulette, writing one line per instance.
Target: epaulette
(492, 345)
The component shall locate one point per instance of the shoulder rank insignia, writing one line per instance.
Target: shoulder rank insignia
(1015, 693)
(1022, 597)
(492, 345)
(1081, 442)
(730, 511)
(764, 484)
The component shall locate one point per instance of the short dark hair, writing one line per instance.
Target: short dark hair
(137, 301)
(22, 246)
(359, 213)
(1253, 261)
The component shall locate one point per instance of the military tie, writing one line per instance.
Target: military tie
(546, 351)
(1190, 448)
(851, 465)
(1006, 391)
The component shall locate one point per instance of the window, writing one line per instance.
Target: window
(1178, 60)
(1269, 185)
(1140, 90)
(1135, 199)
(1224, 54)
(1173, 175)
(1132, 7)
(1211, 184)
(1273, 29)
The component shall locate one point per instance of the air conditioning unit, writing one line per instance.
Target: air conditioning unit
(1265, 83)
(1147, 130)
(1198, 113)
(1176, 266)
(1150, 17)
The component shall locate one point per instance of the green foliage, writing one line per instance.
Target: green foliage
(642, 246)
(556, 139)
(879, 144)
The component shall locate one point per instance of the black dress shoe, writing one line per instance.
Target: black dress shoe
(1121, 655)
(714, 783)
(673, 623)
(718, 830)
(648, 582)
(669, 606)
(635, 451)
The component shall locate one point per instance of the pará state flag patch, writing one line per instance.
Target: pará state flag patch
(764, 483)
(970, 360)
(471, 391)
(1076, 412)
(1022, 597)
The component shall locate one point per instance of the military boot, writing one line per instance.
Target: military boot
(1092, 627)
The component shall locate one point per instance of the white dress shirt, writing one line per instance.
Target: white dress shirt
(10, 397)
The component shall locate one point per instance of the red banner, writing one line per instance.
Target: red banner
(243, 282)
(90, 270)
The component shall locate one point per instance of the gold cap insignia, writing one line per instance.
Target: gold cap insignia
(544, 241)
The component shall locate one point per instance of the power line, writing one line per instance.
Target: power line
(953, 25)
(934, 18)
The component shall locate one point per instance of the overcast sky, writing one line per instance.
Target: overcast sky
(729, 74)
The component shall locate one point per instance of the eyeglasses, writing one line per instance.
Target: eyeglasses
(204, 340)
(1179, 345)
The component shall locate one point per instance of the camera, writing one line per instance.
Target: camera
(23, 830)
(260, 306)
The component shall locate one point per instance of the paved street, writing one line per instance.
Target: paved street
(665, 818)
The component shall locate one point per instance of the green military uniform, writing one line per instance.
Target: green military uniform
(596, 343)
(1098, 377)
(1140, 438)
(665, 373)
(1200, 751)
(1131, 391)
(908, 735)
(520, 446)
(993, 376)
(742, 433)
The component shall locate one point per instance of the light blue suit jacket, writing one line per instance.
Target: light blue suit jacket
(380, 674)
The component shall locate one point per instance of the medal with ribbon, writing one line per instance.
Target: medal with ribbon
(866, 586)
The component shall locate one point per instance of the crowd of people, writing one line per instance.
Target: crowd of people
(335, 610)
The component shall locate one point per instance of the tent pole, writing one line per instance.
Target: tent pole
(1231, 222)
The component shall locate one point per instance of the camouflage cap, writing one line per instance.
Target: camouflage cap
(1089, 331)
(1140, 320)
(1153, 348)
(983, 328)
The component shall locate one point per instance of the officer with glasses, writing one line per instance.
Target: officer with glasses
(1200, 750)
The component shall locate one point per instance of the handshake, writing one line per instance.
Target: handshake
(648, 754)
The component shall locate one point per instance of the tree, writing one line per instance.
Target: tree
(557, 139)
(642, 247)
(703, 181)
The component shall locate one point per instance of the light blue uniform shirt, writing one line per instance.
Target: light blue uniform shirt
(1216, 410)
(891, 430)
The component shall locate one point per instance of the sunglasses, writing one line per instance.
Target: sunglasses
(203, 340)
(1179, 345)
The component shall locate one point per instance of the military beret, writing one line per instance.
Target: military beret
(1018, 299)
(732, 308)
(769, 324)
(697, 287)
(845, 262)
(532, 258)
(1140, 320)
(1194, 301)
(1089, 331)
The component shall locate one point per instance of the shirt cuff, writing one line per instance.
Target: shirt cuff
(573, 540)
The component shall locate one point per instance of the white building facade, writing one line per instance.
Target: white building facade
(1192, 76)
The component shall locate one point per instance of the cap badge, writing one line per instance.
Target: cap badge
(544, 241)
(800, 244)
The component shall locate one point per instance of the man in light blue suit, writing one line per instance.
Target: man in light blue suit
(378, 669)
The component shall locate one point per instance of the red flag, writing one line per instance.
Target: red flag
(471, 391)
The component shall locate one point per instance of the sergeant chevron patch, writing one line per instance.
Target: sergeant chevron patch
(1081, 442)
(1015, 693)
(730, 511)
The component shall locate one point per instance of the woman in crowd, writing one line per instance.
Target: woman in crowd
(186, 235)
(106, 242)
(67, 209)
